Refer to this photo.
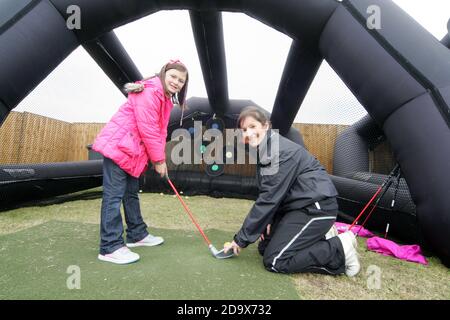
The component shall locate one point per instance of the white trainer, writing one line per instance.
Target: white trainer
(352, 265)
(120, 256)
(333, 232)
(352, 236)
(148, 241)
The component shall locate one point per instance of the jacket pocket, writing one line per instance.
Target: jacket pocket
(129, 145)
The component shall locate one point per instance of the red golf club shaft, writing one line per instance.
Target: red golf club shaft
(189, 212)
(386, 184)
(365, 208)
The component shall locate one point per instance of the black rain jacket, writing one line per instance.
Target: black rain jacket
(288, 178)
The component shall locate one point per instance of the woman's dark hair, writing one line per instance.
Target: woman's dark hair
(254, 112)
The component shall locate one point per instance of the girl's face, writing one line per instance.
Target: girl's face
(253, 131)
(175, 80)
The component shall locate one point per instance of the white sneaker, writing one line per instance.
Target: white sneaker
(148, 241)
(352, 265)
(333, 232)
(352, 236)
(120, 256)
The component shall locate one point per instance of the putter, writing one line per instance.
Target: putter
(219, 254)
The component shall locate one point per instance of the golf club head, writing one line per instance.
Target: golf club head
(220, 254)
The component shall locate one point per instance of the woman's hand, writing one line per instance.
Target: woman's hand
(267, 232)
(233, 245)
(161, 168)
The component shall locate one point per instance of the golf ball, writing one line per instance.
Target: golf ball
(227, 244)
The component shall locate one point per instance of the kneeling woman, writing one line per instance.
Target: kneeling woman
(296, 207)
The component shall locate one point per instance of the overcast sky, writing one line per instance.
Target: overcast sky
(78, 91)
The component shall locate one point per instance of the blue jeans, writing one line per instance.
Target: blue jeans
(118, 187)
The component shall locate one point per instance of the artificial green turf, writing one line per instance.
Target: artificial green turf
(35, 263)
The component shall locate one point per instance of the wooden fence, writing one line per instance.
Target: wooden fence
(319, 139)
(31, 138)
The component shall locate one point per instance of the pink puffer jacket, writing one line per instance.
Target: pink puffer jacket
(137, 132)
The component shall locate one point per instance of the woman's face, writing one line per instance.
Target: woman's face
(175, 80)
(253, 131)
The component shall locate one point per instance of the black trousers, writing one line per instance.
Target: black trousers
(297, 241)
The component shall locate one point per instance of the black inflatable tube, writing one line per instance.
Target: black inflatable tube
(198, 183)
(36, 47)
(20, 184)
(354, 195)
(361, 186)
(352, 146)
(4, 111)
(12, 11)
(406, 94)
(413, 59)
(208, 35)
(298, 19)
(301, 67)
(50, 170)
(19, 194)
(428, 183)
(113, 59)
(446, 41)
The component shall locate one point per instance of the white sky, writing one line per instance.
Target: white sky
(78, 91)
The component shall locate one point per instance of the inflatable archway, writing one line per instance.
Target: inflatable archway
(399, 72)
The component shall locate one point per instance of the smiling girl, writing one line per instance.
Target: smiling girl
(135, 135)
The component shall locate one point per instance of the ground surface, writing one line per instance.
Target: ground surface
(43, 248)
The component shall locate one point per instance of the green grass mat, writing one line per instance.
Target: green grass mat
(37, 263)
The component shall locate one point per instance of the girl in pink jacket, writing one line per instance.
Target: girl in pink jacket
(135, 135)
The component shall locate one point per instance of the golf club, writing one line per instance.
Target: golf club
(219, 254)
(382, 189)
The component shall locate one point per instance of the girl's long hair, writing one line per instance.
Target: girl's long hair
(178, 98)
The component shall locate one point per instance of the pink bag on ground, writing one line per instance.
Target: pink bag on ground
(389, 248)
(342, 227)
(385, 247)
